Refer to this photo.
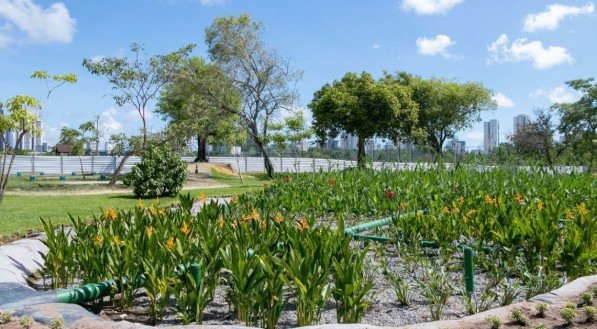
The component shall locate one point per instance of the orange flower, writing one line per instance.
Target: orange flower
(263, 224)
(389, 194)
(246, 219)
(403, 205)
(149, 231)
(110, 214)
(265, 185)
(202, 197)
(460, 201)
(456, 210)
(540, 206)
(287, 179)
(185, 228)
(279, 219)
(140, 204)
(163, 211)
(303, 224)
(518, 198)
(234, 223)
(471, 213)
(489, 200)
(99, 240)
(445, 210)
(170, 243)
(332, 182)
(255, 215)
(569, 214)
(221, 221)
(117, 240)
(582, 209)
(153, 210)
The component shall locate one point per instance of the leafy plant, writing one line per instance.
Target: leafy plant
(568, 314)
(397, 281)
(4, 317)
(26, 322)
(493, 321)
(57, 323)
(517, 314)
(590, 312)
(437, 288)
(160, 172)
(541, 309)
(587, 298)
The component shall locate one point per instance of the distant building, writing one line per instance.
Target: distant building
(562, 139)
(520, 121)
(491, 133)
(331, 144)
(458, 147)
(109, 147)
(350, 142)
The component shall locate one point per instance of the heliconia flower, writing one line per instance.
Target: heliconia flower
(265, 185)
(540, 206)
(445, 210)
(163, 211)
(202, 197)
(456, 210)
(389, 194)
(149, 231)
(117, 240)
(153, 210)
(332, 182)
(582, 209)
(234, 223)
(403, 205)
(460, 201)
(99, 240)
(233, 198)
(471, 213)
(255, 215)
(221, 221)
(518, 198)
(287, 179)
(489, 200)
(110, 214)
(278, 219)
(263, 224)
(170, 243)
(569, 214)
(140, 204)
(185, 228)
(303, 224)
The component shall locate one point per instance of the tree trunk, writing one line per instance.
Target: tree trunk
(119, 169)
(201, 149)
(361, 152)
(144, 134)
(266, 160)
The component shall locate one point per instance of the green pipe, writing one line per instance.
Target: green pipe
(429, 244)
(195, 270)
(373, 224)
(468, 270)
(85, 293)
(371, 238)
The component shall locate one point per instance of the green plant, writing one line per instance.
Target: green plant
(587, 298)
(541, 309)
(517, 314)
(590, 312)
(351, 285)
(4, 317)
(26, 322)
(59, 260)
(493, 321)
(160, 172)
(401, 287)
(539, 326)
(436, 287)
(57, 323)
(595, 291)
(510, 290)
(568, 314)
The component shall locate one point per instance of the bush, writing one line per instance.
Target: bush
(160, 172)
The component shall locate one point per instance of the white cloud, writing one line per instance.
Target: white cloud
(503, 100)
(212, 2)
(429, 7)
(558, 94)
(52, 24)
(376, 46)
(474, 137)
(550, 18)
(108, 123)
(522, 50)
(437, 45)
(5, 37)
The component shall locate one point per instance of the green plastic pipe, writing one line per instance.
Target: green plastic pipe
(373, 224)
(371, 238)
(85, 293)
(468, 270)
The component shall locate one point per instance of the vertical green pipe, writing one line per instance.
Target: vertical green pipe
(195, 270)
(468, 270)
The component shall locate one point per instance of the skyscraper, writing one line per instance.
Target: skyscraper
(520, 121)
(491, 135)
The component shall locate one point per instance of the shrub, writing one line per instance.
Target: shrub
(26, 322)
(493, 321)
(517, 315)
(160, 172)
(590, 313)
(4, 317)
(541, 309)
(57, 323)
(587, 298)
(568, 314)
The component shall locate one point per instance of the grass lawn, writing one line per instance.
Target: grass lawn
(20, 214)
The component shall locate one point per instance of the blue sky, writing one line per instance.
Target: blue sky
(523, 50)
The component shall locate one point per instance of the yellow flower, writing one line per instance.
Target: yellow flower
(202, 197)
(263, 224)
(540, 206)
(303, 224)
(234, 223)
(403, 205)
(255, 215)
(445, 210)
(185, 228)
(233, 198)
(99, 240)
(140, 204)
(460, 201)
(110, 214)
(489, 200)
(153, 210)
(246, 219)
(149, 231)
(456, 210)
(582, 209)
(170, 243)
(279, 219)
(470, 213)
(221, 221)
(569, 214)
(117, 240)
(163, 211)
(518, 198)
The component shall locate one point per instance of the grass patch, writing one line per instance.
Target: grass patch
(20, 215)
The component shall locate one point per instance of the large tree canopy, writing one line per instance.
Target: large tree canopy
(445, 107)
(578, 120)
(192, 114)
(364, 107)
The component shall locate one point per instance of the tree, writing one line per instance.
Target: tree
(191, 114)
(291, 133)
(536, 139)
(136, 81)
(578, 120)
(20, 118)
(361, 106)
(445, 107)
(72, 137)
(263, 78)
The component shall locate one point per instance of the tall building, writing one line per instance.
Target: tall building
(491, 133)
(349, 142)
(520, 121)
(458, 147)
(331, 144)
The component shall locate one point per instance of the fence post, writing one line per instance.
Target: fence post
(329, 164)
(246, 165)
(93, 163)
(114, 163)
(32, 164)
(313, 164)
(468, 270)
(61, 164)
(281, 164)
